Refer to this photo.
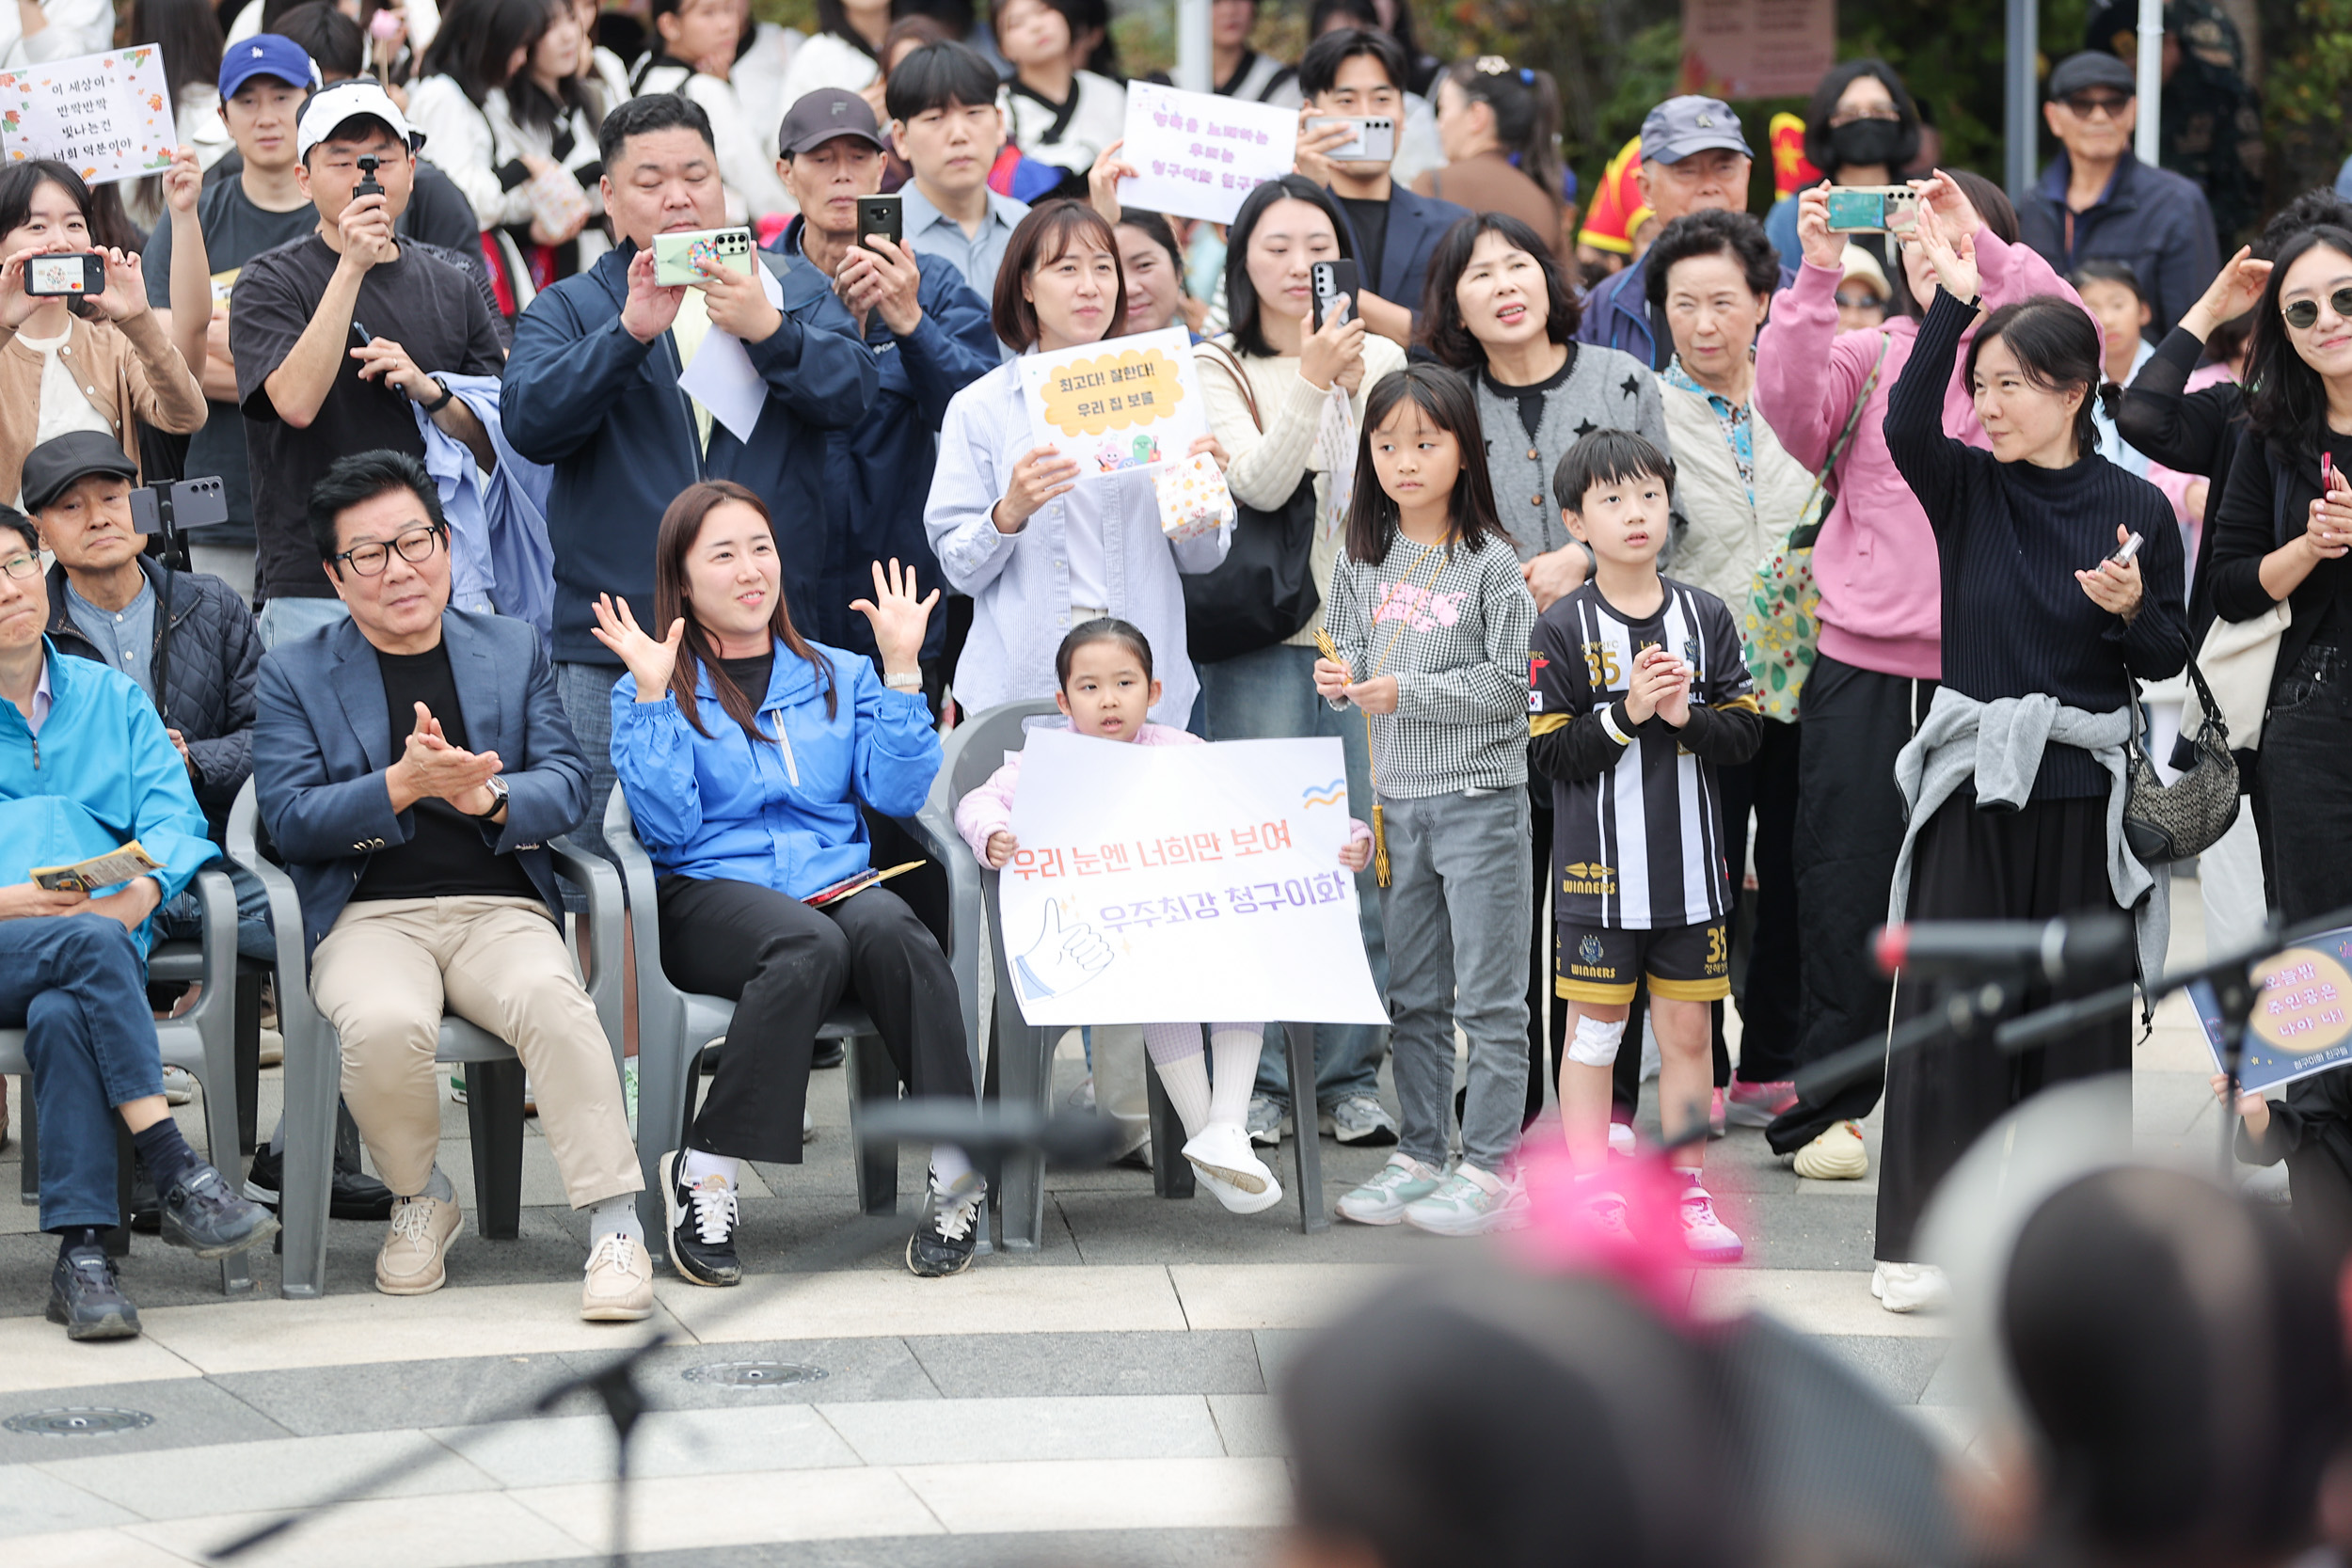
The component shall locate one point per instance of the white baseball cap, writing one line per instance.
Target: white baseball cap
(356, 98)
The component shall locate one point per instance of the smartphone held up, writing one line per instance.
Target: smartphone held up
(70, 275)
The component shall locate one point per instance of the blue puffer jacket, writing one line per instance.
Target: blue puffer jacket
(783, 814)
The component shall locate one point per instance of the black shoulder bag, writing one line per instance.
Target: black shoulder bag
(1264, 588)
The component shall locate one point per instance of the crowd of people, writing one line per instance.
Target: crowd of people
(1522, 527)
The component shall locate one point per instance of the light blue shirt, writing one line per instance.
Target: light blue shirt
(1020, 583)
(933, 233)
(126, 637)
(43, 699)
(2112, 443)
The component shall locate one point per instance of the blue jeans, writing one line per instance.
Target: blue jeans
(1270, 695)
(183, 919)
(76, 985)
(586, 692)
(283, 620)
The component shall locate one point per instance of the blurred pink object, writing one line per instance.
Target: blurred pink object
(1562, 1236)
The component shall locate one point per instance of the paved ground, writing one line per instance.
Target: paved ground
(1104, 1402)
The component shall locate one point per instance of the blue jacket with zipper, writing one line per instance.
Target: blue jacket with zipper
(604, 411)
(782, 814)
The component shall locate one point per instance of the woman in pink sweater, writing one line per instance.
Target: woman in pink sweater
(1880, 616)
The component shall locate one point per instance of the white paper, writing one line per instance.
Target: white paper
(107, 117)
(1124, 402)
(1200, 153)
(1159, 884)
(723, 378)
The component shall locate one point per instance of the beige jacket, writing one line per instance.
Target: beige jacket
(128, 372)
(1727, 537)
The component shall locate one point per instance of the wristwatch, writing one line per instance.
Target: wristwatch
(496, 786)
(440, 402)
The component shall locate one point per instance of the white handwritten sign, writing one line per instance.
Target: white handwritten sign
(1200, 154)
(107, 117)
(1124, 402)
(1167, 884)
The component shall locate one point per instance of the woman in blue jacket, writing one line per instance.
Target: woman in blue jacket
(745, 751)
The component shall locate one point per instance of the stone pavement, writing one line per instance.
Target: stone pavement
(1108, 1401)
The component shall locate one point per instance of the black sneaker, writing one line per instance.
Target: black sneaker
(828, 1053)
(147, 1210)
(202, 1214)
(267, 1173)
(949, 1229)
(702, 1220)
(352, 1196)
(85, 1296)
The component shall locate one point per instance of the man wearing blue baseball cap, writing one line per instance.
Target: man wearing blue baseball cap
(1694, 158)
(263, 82)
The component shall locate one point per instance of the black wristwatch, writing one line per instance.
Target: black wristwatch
(440, 404)
(496, 786)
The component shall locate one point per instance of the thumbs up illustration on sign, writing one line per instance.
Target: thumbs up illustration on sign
(1063, 958)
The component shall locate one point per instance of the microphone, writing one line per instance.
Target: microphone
(993, 1131)
(2052, 950)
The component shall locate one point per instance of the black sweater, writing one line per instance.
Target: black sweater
(2269, 502)
(2191, 433)
(2311, 1130)
(2011, 537)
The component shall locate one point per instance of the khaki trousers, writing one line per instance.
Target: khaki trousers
(389, 968)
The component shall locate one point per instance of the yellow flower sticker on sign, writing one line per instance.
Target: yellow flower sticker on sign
(1129, 403)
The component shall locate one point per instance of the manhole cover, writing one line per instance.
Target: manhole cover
(81, 1422)
(753, 1375)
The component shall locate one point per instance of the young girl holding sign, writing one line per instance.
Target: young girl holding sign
(1429, 621)
(1107, 688)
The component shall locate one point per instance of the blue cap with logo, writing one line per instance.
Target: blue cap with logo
(265, 54)
(1681, 126)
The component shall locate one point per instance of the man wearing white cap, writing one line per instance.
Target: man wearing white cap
(335, 335)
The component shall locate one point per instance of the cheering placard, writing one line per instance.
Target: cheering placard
(1124, 402)
(1200, 154)
(107, 117)
(2302, 1020)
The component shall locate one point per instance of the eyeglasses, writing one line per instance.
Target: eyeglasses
(2085, 104)
(369, 561)
(2304, 313)
(1860, 302)
(21, 566)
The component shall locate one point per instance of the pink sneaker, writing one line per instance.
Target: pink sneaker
(1757, 1104)
(1704, 1236)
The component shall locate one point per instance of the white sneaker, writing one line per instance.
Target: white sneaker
(1469, 1203)
(1705, 1237)
(178, 1085)
(1382, 1201)
(416, 1246)
(1621, 1140)
(1911, 1287)
(1836, 1155)
(1220, 1156)
(618, 1286)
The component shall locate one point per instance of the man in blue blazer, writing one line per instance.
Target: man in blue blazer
(411, 764)
(1356, 73)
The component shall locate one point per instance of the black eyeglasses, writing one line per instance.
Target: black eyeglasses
(21, 566)
(369, 561)
(2085, 104)
(2304, 313)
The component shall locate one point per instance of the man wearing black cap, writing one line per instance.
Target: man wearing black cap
(2096, 199)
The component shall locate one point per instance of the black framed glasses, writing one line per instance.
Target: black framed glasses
(2085, 104)
(21, 567)
(2304, 313)
(417, 543)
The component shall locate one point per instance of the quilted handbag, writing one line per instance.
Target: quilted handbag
(2173, 821)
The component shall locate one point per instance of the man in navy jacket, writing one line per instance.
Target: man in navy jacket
(592, 389)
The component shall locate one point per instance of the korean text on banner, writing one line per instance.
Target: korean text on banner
(1165, 884)
(107, 117)
(1199, 154)
(1124, 402)
(2302, 1020)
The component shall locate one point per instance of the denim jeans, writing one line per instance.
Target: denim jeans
(586, 692)
(77, 986)
(183, 919)
(1270, 695)
(283, 620)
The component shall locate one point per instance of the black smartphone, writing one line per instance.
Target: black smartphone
(1332, 285)
(194, 503)
(882, 215)
(367, 185)
(80, 274)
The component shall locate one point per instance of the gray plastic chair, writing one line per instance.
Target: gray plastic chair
(202, 1041)
(1020, 1063)
(494, 1074)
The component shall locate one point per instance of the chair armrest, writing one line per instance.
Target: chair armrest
(216, 903)
(596, 877)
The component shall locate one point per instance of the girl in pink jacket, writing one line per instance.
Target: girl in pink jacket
(1104, 670)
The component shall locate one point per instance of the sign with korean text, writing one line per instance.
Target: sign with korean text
(2302, 1020)
(1200, 154)
(1757, 48)
(1124, 402)
(107, 117)
(1165, 884)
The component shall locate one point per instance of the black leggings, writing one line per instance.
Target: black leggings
(785, 966)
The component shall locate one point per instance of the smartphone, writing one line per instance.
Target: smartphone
(1872, 209)
(194, 503)
(1375, 141)
(882, 215)
(675, 256)
(1331, 286)
(83, 272)
(369, 185)
(2127, 549)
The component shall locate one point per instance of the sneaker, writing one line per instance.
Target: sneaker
(1622, 1143)
(619, 1284)
(1082, 1097)
(457, 1088)
(146, 1209)
(202, 1214)
(1910, 1287)
(1465, 1205)
(1359, 1121)
(944, 1237)
(273, 1047)
(1836, 1155)
(703, 1218)
(1602, 1216)
(1757, 1104)
(1704, 1236)
(351, 1196)
(1715, 1125)
(1382, 1201)
(178, 1085)
(85, 1295)
(1222, 1157)
(1269, 1120)
(828, 1053)
(414, 1258)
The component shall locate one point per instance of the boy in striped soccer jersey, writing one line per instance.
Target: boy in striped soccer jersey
(1637, 692)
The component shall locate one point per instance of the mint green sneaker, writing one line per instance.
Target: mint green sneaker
(1381, 1200)
(1465, 1206)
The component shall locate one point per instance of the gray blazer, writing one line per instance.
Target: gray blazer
(323, 740)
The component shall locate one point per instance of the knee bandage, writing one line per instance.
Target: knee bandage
(1595, 1042)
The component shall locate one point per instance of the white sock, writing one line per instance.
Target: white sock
(615, 1216)
(698, 1164)
(1186, 1081)
(949, 1165)
(1235, 1048)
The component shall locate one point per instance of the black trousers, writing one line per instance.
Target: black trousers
(2306, 794)
(1849, 829)
(1766, 784)
(785, 966)
(2049, 859)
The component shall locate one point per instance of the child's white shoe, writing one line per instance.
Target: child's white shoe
(1404, 1181)
(1221, 1157)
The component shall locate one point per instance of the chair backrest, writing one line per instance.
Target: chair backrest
(975, 750)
